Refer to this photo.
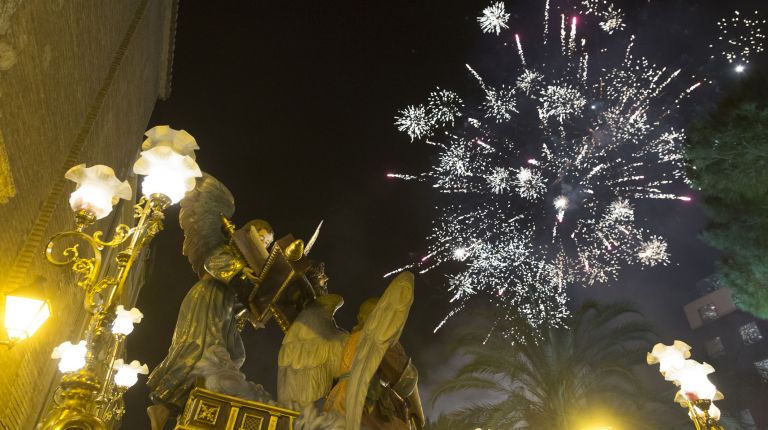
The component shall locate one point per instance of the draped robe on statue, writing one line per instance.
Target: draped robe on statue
(205, 320)
(385, 408)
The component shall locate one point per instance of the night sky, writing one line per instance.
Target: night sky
(292, 104)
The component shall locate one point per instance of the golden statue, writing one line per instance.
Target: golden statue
(376, 381)
(206, 342)
(365, 377)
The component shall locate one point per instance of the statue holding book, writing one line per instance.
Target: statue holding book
(248, 277)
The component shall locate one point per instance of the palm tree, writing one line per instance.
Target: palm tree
(553, 379)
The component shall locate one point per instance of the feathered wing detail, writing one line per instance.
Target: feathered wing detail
(200, 218)
(310, 357)
(382, 329)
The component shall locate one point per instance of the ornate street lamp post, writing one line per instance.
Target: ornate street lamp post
(697, 393)
(95, 378)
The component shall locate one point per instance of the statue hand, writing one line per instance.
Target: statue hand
(250, 275)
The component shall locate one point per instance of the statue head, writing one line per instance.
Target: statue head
(262, 230)
(317, 277)
(365, 310)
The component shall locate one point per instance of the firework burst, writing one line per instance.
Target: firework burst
(494, 18)
(741, 38)
(611, 17)
(540, 176)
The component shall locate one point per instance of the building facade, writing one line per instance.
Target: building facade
(735, 343)
(78, 82)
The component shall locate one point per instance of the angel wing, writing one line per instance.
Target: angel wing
(310, 356)
(200, 218)
(382, 329)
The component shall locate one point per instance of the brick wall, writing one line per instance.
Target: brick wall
(78, 82)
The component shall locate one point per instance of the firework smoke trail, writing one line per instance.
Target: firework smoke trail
(539, 180)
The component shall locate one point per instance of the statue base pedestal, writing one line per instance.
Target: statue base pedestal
(208, 410)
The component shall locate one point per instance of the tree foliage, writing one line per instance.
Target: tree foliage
(728, 159)
(559, 378)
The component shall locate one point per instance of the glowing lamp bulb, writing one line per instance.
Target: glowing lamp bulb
(693, 380)
(24, 314)
(97, 189)
(125, 319)
(167, 173)
(669, 357)
(739, 68)
(128, 374)
(168, 163)
(71, 357)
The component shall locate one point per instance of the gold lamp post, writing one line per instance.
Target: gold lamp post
(95, 377)
(696, 393)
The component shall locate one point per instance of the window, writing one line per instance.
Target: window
(750, 333)
(715, 347)
(708, 312)
(762, 369)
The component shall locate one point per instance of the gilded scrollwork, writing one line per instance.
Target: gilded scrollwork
(139, 207)
(87, 268)
(122, 233)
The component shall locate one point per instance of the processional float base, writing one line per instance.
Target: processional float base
(208, 410)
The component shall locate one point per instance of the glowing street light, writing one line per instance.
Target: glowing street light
(71, 356)
(97, 190)
(693, 381)
(669, 357)
(25, 311)
(168, 161)
(125, 319)
(696, 392)
(91, 389)
(128, 374)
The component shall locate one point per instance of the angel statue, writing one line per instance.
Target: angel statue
(206, 343)
(376, 382)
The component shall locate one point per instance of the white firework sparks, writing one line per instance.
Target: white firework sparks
(741, 38)
(529, 184)
(414, 121)
(621, 210)
(611, 17)
(528, 81)
(540, 182)
(500, 104)
(444, 107)
(561, 102)
(653, 252)
(499, 180)
(494, 18)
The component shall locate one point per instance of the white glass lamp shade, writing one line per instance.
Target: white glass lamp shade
(127, 374)
(97, 189)
(168, 162)
(693, 381)
(669, 357)
(179, 141)
(24, 315)
(125, 319)
(71, 356)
